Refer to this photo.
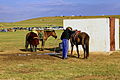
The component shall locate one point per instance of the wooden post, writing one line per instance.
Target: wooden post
(112, 33)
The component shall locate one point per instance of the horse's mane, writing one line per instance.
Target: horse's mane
(49, 30)
(46, 30)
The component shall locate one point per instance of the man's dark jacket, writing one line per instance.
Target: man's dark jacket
(66, 34)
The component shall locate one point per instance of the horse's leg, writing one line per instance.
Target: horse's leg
(83, 46)
(31, 48)
(42, 45)
(26, 45)
(87, 50)
(77, 51)
(72, 50)
(35, 48)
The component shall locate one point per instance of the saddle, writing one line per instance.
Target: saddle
(76, 34)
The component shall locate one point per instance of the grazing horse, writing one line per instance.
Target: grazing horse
(46, 35)
(80, 38)
(32, 39)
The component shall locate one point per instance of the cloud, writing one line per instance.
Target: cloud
(106, 9)
(55, 8)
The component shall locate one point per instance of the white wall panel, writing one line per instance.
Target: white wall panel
(98, 30)
(116, 34)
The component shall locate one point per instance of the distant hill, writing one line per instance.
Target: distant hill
(48, 21)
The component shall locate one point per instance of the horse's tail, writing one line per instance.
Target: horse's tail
(87, 49)
(26, 44)
(85, 41)
(26, 41)
(87, 46)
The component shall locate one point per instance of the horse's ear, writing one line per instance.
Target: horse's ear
(53, 30)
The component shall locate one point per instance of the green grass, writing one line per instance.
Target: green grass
(12, 40)
(47, 21)
(46, 67)
(16, 40)
(36, 67)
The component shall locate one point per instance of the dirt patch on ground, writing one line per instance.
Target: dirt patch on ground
(27, 55)
(22, 54)
(27, 63)
(92, 77)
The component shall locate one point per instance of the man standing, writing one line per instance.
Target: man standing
(65, 38)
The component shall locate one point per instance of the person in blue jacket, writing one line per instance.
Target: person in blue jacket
(65, 38)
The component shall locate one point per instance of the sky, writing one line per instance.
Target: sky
(18, 10)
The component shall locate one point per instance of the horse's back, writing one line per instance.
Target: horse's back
(32, 38)
(84, 38)
(84, 35)
(79, 37)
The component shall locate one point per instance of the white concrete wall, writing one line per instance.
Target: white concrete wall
(98, 30)
(116, 34)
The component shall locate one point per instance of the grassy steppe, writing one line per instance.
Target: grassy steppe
(20, 65)
(14, 41)
(16, 64)
(47, 21)
(46, 67)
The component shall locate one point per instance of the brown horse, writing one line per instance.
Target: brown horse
(46, 35)
(32, 39)
(80, 38)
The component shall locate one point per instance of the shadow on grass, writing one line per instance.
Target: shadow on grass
(48, 53)
(25, 57)
(32, 55)
(23, 50)
(49, 49)
(57, 55)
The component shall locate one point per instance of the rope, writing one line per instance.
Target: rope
(35, 38)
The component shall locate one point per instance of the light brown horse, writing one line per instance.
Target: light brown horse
(46, 35)
(80, 38)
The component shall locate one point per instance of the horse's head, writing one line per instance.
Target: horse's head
(53, 34)
(48, 33)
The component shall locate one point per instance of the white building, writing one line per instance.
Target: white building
(103, 32)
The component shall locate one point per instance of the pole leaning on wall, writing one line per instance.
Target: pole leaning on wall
(112, 33)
